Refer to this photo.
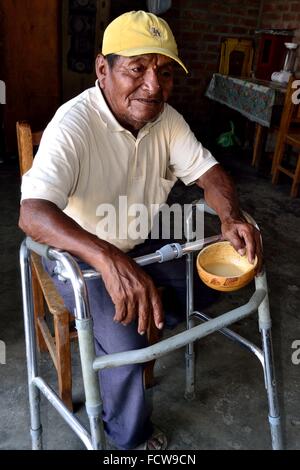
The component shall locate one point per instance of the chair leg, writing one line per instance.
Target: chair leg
(39, 311)
(277, 162)
(296, 179)
(278, 155)
(258, 145)
(63, 351)
(274, 160)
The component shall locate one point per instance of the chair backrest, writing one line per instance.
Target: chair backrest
(291, 110)
(27, 140)
(236, 57)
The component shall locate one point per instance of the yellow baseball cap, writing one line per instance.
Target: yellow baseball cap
(138, 32)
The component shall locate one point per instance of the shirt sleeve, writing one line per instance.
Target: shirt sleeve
(188, 158)
(54, 173)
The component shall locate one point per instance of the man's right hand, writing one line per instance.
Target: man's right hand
(131, 289)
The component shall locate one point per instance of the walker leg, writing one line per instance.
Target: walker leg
(93, 401)
(190, 352)
(31, 349)
(270, 380)
(274, 413)
(35, 418)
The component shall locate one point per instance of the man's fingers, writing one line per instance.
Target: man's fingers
(154, 308)
(245, 239)
(143, 320)
(132, 292)
(250, 243)
(121, 312)
(236, 241)
(131, 310)
(144, 311)
(259, 264)
(254, 247)
(157, 310)
(259, 252)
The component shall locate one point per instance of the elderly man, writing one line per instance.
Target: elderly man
(120, 138)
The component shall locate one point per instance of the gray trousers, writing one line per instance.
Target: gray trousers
(126, 411)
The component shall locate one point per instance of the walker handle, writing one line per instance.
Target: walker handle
(38, 248)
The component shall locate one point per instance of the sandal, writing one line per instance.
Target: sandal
(158, 441)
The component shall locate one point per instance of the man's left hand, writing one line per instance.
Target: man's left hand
(244, 238)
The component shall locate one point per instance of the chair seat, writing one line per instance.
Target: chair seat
(53, 299)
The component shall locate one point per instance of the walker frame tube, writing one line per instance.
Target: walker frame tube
(90, 364)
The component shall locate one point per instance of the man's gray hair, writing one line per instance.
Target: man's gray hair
(112, 59)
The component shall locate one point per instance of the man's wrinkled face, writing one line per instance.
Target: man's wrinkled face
(136, 88)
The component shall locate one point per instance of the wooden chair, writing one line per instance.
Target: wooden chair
(46, 295)
(236, 57)
(288, 135)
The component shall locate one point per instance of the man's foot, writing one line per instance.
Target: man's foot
(158, 441)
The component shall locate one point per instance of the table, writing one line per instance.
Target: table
(253, 98)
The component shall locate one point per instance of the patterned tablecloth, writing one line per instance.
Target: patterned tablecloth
(251, 97)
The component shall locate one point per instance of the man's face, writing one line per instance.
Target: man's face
(136, 88)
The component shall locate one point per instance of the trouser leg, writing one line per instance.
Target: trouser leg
(126, 413)
(125, 408)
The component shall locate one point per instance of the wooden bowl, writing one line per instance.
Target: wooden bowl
(222, 268)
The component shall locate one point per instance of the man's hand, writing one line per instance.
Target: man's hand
(220, 194)
(131, 290)
(244, 238)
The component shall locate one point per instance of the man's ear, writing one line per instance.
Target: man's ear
(101, 67)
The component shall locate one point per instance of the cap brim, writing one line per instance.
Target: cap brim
(151, 50)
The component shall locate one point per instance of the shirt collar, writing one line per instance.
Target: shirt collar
(109, 119)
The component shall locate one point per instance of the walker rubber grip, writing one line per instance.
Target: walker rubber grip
(38, 248)
(169, 252)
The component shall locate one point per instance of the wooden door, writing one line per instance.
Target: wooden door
(30, 46)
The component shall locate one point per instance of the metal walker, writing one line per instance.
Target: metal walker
(68, 269)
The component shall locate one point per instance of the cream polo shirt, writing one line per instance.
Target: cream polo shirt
(87, 163)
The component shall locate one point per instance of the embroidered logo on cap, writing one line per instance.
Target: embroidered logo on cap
(155, 32)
